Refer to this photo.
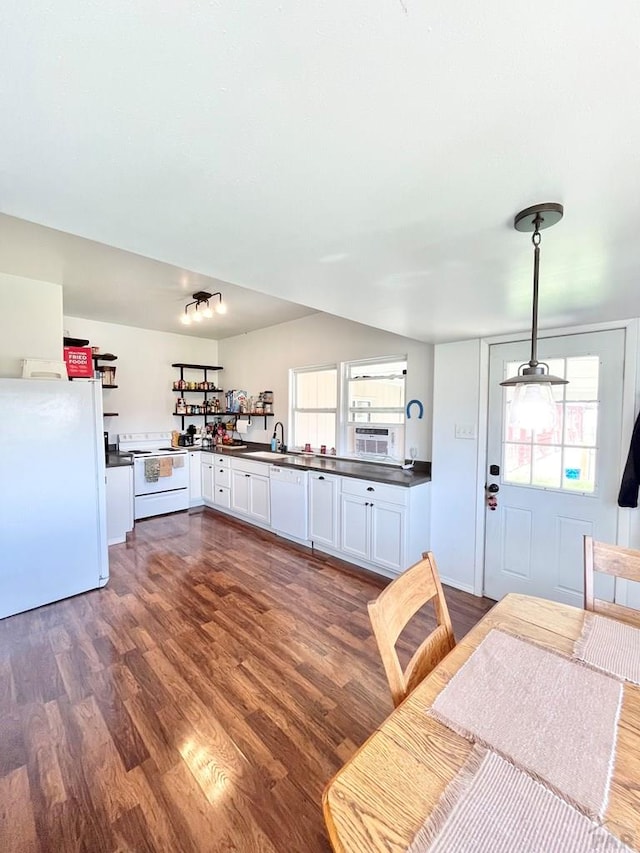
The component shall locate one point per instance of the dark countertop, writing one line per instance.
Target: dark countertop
(118, 460)
(342, 467)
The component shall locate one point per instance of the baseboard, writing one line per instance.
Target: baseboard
(465, 587)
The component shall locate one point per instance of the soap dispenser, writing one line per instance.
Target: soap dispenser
(274, 443)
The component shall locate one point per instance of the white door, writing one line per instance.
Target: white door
(240, 491)
(207, 481)
(387, 534)
(323, 509)
(557, 485)
(354, 526)
(259, 502)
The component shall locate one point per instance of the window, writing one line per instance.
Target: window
(564, 455)
(314, 404)
(375, 396)
(369, 422)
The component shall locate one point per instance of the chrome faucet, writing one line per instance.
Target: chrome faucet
(282, 445)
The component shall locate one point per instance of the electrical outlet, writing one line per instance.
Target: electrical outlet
(465, 431)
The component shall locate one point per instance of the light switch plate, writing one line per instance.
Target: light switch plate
(466, 431)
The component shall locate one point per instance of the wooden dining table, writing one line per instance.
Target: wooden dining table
(387, 790)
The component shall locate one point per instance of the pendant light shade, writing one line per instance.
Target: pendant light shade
(533, 406)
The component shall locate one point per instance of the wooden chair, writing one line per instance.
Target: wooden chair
(609, 560)
(391, 612)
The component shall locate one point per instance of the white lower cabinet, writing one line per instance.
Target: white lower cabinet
(374, 531)
(250, 493)
(324, 520)
(206, 470)
(195, 478)
(119, 498)
(383, 526)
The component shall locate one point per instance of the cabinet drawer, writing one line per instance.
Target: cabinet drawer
(222, 477)
(248, 466)
(221, 461)
(222, 497)
(370, 490)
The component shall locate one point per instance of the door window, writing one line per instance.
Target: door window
(563, 454)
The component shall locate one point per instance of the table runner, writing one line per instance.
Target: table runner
(550, 716)
(492, 807)
(610, 646)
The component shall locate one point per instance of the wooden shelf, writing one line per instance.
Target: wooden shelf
(197, 366)
(105, 356)
(75, 342)
(110, 414)
(109, 386)
(198, 390)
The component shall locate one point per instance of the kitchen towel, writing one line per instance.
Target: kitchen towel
(549, 715)
(178, 461)
(151, 470)
(610, 646)
(166, 466)
(493, 807)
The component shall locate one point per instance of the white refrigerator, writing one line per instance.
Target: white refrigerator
(53, 535)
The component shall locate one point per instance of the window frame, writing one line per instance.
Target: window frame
(343, 409)
(293, 408)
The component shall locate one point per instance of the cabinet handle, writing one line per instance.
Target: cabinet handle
(321, 478)
(247, 475)
(220, 490)
(370, 489)
(366, 503)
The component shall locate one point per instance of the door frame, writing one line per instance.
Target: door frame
(630, 405)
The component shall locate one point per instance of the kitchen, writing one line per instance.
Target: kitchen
(144, 400)
(346, 177)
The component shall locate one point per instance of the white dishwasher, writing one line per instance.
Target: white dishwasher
(289, 501)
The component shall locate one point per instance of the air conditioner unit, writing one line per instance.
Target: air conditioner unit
(374, 441)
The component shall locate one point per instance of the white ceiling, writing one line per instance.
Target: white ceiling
(362, 158)
(104, 283)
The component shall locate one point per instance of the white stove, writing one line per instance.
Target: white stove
(160, 473)
(146, 443)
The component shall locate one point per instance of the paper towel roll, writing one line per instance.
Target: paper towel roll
(242, 427)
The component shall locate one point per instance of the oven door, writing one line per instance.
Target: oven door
(172, 475)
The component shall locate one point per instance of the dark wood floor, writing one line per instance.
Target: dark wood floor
(200, 702)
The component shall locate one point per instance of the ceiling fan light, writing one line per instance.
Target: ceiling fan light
(221, 308)
(185, 319)
(207, 312)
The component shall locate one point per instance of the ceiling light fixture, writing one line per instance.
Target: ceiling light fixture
(202, 308)
(533, 406)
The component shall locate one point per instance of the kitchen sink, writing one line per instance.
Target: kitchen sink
(266, 454)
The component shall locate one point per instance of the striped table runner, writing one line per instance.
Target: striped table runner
(492, 807)
(610, 646)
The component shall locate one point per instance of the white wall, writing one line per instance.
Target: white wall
(30, 322)
(453, 489)
(261, 360)
(143, 399)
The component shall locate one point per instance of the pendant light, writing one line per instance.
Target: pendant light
(533, 406)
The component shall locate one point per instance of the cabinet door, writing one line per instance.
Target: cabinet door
(240, 484)
(323, 509)
(195, 478)
(259, 504)
(354, 526)
(388, 525)
(207, 481)
(119, 500)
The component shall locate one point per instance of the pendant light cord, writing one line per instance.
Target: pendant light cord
(535, 239)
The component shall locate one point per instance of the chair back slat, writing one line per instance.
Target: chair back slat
(615, 561)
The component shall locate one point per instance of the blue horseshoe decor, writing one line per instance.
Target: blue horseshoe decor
(420, 408)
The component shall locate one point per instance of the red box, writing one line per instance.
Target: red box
(79, 362)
